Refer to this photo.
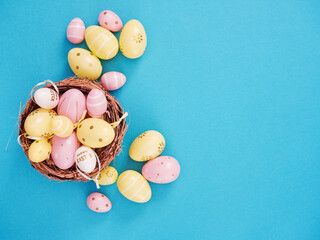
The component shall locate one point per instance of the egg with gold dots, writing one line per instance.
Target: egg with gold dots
(108, 176)
(39, 150)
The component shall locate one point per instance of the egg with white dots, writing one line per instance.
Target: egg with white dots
(46, 98)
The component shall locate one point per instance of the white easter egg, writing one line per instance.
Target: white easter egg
(86, 159)
(46, 98)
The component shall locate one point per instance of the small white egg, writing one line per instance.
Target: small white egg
(46, 98)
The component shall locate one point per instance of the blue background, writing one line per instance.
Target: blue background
(232, 85)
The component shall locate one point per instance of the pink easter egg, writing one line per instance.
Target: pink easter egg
(162, 169)
(72, 104)
(98, 202)
(63, 150)
(96, 103)
(75, 31)
(110, 21)
(113, 80)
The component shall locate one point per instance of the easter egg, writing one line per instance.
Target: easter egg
(162, 169)
(133, 39)
(84, 64)
(37, 124)
(61, 126)
(39, 150)
(101, 42)
(63, 150)
(134, 186)
(72, 104)
(86, 159)
(108, 176)
(147, 146)
(46, 98)
(75, 31)
(95, 133)
(96, 103)
(98, 202)
(113, 80)
(110, 21)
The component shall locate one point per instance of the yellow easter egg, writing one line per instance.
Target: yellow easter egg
(84, 64)
(108, 176)
(95, 133)
(37, 123)
(134, 186)
(101, 42)
(147, 146)
(133, 39)
(61, 126)
(39, 150)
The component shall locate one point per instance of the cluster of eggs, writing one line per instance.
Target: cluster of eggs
(104, 45)
(60, 130)
(131, 184)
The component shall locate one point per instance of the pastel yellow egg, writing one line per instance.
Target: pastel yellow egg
(39, 150)
(84, 64)
(61, 126)
(37, 123)
(101, 42)
(147, 146)
(134, 186)
(108, 176)
(95, 133)
(133, 39)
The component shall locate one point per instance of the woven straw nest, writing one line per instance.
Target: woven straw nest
(106, 154)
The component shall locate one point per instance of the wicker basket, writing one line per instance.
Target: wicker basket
(106, 154)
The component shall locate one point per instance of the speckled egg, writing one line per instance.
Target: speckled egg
(113, 80)
(108, 176)
(147, 146)
(98, 202)
(162, 169)
(39, 150)
(75, 31)
(110, 21)
(134, 186)
(96, 103)
(84, 64)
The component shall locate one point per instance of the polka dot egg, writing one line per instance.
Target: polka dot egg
(39, 150)
(110, 21)
(98, 202)
(108, 176)
(162, 169)
(96, 103)
(95, 133)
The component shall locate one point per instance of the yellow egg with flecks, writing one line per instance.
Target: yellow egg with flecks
(37, 124)
(39, 150)
(61, 126)
(134, 186)
(147, 146)
(101, 42)
(133, 39)
(108, 176)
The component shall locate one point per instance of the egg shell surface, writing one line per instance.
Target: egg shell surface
(72, 104)
(134, 186)
(96, 103)
(61, 126)
(108, 176)
(163, 169)
(39, 150)
(113, 80)
(46, 98)
(147, 146)
(63, 150)
(110, 21)
(75, 31)
(98, 202)
(85, 159)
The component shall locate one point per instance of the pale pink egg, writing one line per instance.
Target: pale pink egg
(96, 103)
(110, 21)
(113, 80)
(98, 202)
(63, 150)
(76, 30)
(162, 169)
(72, 104)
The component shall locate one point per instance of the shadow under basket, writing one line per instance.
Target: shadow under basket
(106, 154)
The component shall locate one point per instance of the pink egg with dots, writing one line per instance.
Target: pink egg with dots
(110, 21)
(162, 169)
(113, 80)
(63, 150)
(96, 103)
(76, 30)
(98, 202)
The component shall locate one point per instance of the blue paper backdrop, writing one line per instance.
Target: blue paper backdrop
(232, 85)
